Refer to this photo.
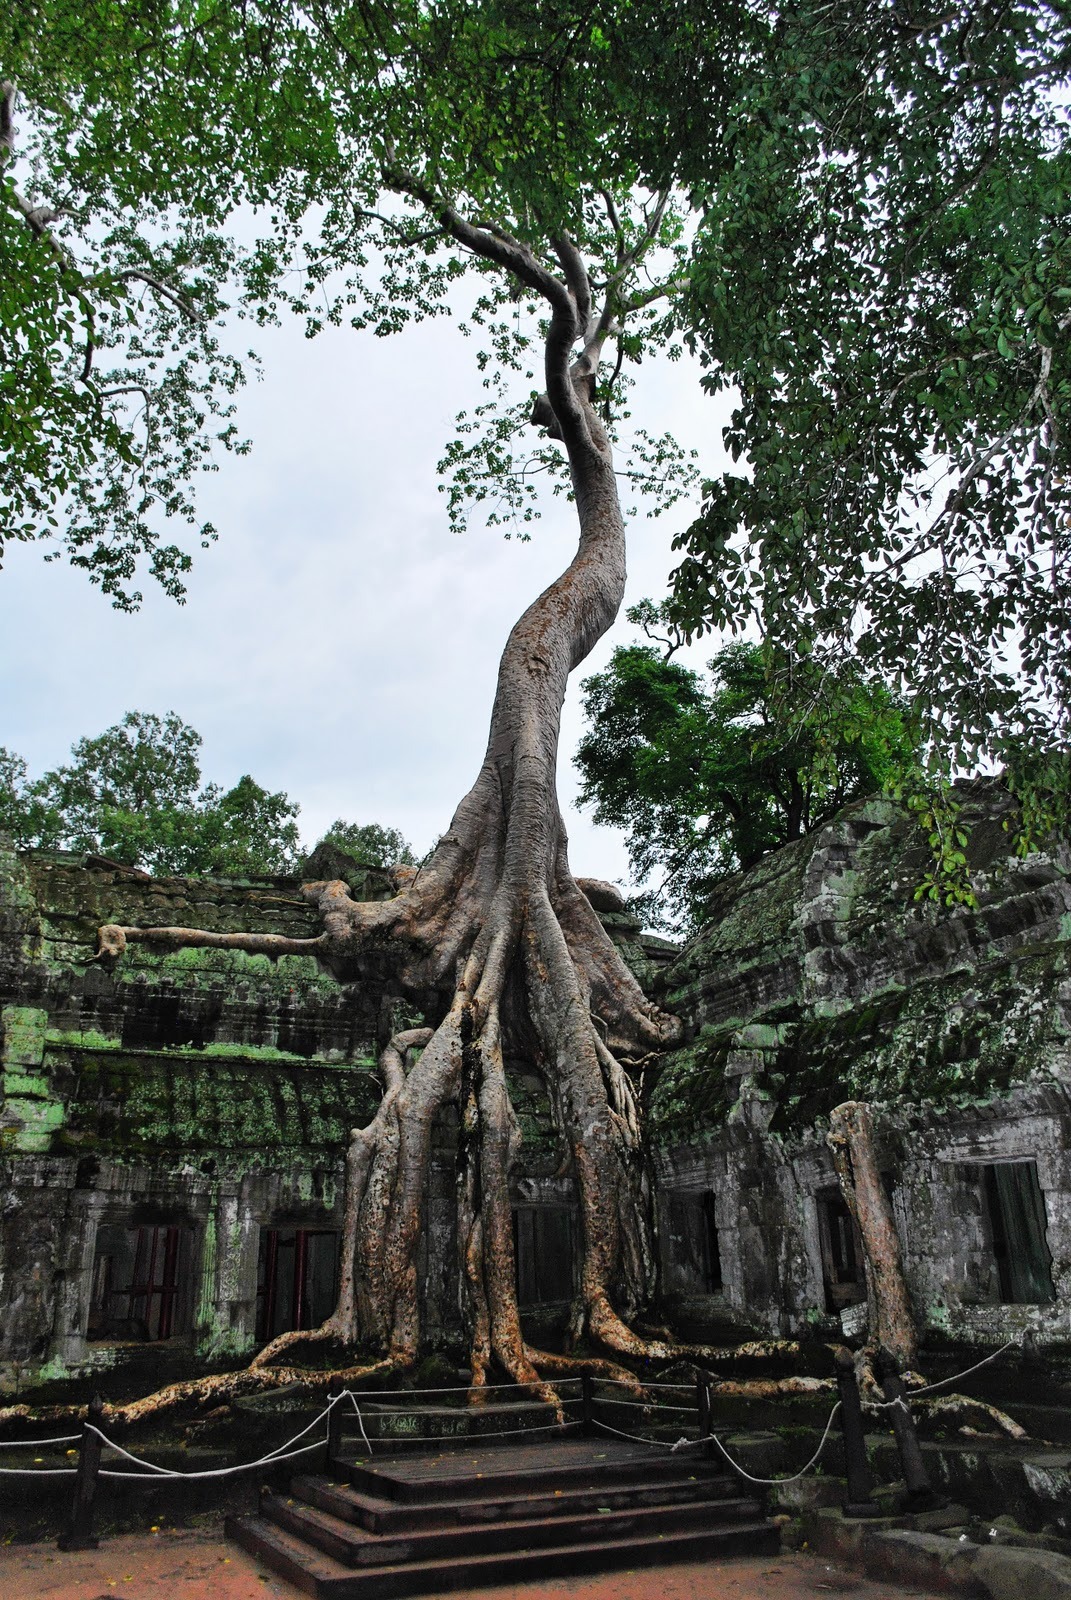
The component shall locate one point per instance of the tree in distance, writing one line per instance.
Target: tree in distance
(371, 844)
(706, 779)
(134, 794)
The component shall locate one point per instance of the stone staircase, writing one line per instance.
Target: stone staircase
(487, 1514)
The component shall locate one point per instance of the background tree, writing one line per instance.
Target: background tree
(881, 279)
(134, 794)
(371, 843)
(706, 778)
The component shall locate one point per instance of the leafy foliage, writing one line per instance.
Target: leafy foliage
(371, 844)
(150, 139)
(882, 279)
(708, 778)
(133, 794)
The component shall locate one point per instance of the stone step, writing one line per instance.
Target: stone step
(357, 1547)
(428, 1422)
(329, 1579)
(494, 1471)
(382, 1515)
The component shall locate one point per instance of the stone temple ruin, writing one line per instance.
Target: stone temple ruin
(172, 1129)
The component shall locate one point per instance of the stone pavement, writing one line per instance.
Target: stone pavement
(197, 1563)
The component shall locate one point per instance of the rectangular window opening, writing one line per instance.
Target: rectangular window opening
(694, 1254)
(1016, 1211)
(140, 1283)
(843, 1273)
(297, 1279)
(543, 1247)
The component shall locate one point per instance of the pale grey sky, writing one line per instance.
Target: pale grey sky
(338, 641)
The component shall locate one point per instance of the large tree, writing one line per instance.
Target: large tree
(706, 780)
(882, 283)
(409, 148)
(388, 151)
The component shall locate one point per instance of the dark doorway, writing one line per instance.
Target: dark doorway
(543, 1242)
(843, 1273)
(1016, 1208)
(297, 1279)
(693, 1257)
(140, 1283)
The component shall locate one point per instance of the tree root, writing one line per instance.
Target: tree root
(960, 1409)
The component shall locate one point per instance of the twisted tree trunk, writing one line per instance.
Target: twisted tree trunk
(495, 937)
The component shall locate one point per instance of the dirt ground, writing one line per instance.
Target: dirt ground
(191, 1563)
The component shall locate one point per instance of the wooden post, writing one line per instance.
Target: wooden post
(587, 1405)
(860, 1482)
(703, 1406)
(920, 1496)
(79, 1534)
(334, 1433)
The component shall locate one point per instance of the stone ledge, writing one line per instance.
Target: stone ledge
(884, 1548)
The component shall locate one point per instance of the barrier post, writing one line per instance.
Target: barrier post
(587, 1405)
(79, 1534)
(920, 1495)
(705, 1409)
(334, 1432)
(857, 1469)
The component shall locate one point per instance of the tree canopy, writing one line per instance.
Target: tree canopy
(862, 215)
(371, 843)
(133, 793)
(708, 777)
(881, 278)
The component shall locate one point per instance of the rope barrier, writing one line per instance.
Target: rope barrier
(470, 1388)
(638, 1438)
(209, 1472)
(37, 1472)
(476, 1438)
(796, 1475)
(39, 1444)
(930, 1388)
(903, 1401)
(644, 1384)
(660, 1444)
(661, 1406)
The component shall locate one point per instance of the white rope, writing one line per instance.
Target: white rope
(913, 1394)
(38, 1444)
(37, 1472)
(931, 1388)
(661, 1406)
(210, 1472)
(474, 1438)
(660, 1444)
(472, 1388)
(360, 1421)
(281, 1453)
(643, 1383)
(638, 1438)
(752, 1479)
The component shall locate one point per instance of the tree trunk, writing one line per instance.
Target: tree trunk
(496, 941)
(851, 1139)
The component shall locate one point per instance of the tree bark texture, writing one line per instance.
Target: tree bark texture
(890, 1318)
(496, 942)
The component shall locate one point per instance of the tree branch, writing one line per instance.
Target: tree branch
(496, 245)
(178, 300)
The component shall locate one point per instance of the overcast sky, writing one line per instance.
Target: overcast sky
(338, 641)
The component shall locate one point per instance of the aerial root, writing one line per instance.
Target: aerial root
(961, 1408)
(295, 1336)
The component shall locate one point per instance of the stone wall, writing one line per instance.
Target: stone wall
(204, 1098)
(819, 979)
